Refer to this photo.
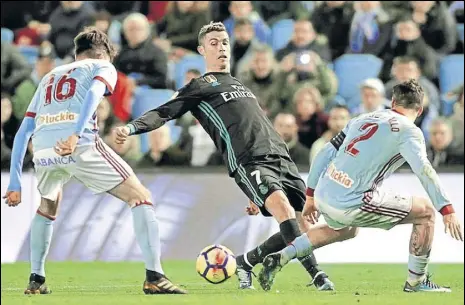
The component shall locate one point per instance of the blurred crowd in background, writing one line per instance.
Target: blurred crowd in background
(312, 64)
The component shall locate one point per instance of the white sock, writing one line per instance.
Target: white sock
(300, 247)
(41, 236)
(417, 268)
(147, 235)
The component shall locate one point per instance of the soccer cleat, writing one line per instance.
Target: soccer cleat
(245, 278)
(162, 286)
(37, 285)
(426, 286)
(322, 282)
(271, 266)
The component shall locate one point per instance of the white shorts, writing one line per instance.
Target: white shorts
(97, 166)
(383, 210)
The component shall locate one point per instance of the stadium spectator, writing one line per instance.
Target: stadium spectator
(438, 27)
(371, 29)
(129, 151)
(305, 39)
(396, 9)
(408, 42)
(457, 122)
(286, 125)
(66, 22)
(14, 68)
(311, 120)
(339, 116)
(273, 11)
(162, 151)
(372, 96)
(244, 9)
(407, 67)
(333, 19)
(243, 43)
(26, 89)
(102, 21)
(6, 111)
(440, 148)
(105, 118)
(180, 27)
(262, 78)
(141, 60)
(306, 69)
(33, 34)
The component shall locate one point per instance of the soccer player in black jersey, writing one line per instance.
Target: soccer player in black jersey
(256, 156)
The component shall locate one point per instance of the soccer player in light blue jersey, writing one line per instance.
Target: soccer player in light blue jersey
(64, 107)
(344, 186)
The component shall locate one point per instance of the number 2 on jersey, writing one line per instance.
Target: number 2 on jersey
(58, 93)
(370, 129)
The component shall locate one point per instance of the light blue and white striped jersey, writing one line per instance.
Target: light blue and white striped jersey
(58, 100)
(350, 170)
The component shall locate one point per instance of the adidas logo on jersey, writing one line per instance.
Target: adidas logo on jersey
(61, 117)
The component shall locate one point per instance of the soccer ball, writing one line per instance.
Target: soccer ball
(216, 264)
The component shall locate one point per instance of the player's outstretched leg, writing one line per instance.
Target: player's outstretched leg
(422, 216)
(147, 235)
(41, 236)
(318, 236)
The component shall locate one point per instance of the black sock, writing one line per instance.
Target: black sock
(289, 230)
(310, 264)
(152, 276)
(37, 278)
(273, 244)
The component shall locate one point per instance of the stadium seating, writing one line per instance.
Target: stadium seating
(186, 63)
(30, 53)
(7, 35)
(146, 99)
(281, 33)
(450, 77)
(460, 31)
(352, 70)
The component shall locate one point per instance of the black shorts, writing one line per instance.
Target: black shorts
(264, 175)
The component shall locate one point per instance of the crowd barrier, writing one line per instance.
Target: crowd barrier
(195, 210)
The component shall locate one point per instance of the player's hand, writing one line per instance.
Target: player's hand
(122, 134)
(12, 198)
(252, 209)
(310, 212)
(67, 147)
(452, 226)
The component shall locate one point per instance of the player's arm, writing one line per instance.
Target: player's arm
(184, 100)
(412, 148)
(20, 145)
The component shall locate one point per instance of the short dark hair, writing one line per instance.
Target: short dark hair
(408, 94)
(242, 21)
(211, 27)
(93, 41)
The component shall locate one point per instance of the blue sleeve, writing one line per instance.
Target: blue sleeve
(322, 159)
(91, 101)
(19, 151)
(412, 147)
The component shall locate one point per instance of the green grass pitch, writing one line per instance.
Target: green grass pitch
(97, 283)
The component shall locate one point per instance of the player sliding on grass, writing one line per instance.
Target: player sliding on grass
(256, 156)
(64, 107)
(344, 186)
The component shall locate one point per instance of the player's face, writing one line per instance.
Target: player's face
(216, 50)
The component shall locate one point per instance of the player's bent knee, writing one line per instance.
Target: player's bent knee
(423, 211)
(278, 205)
